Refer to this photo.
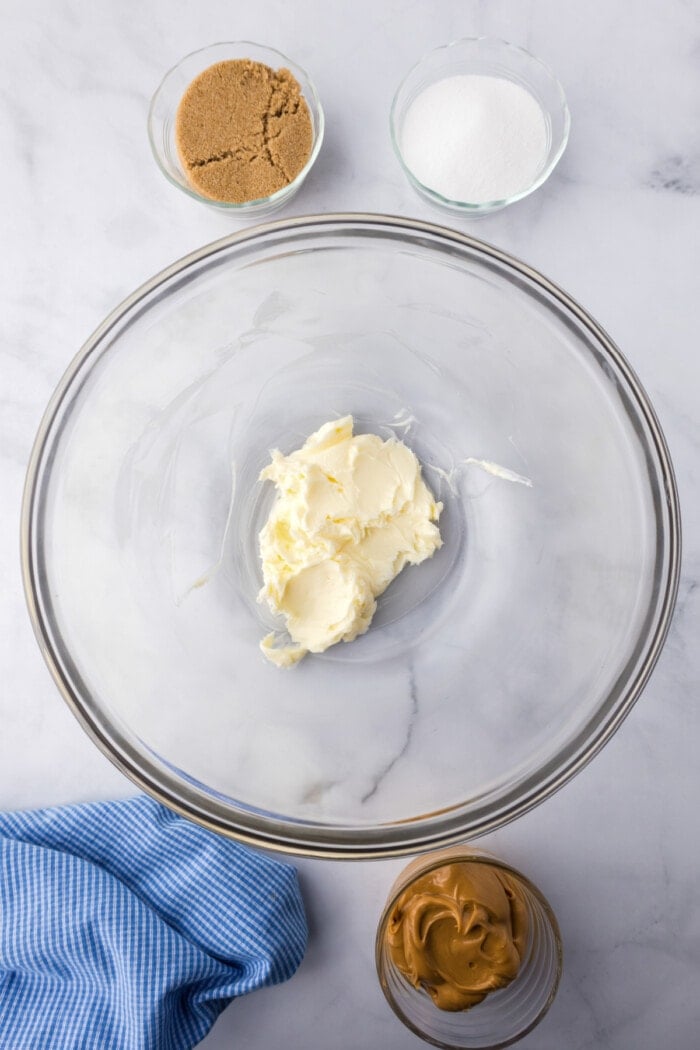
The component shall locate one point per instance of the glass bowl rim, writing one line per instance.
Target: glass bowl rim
(446, 826)
(472, 855)
(240, 207)
(467, 207)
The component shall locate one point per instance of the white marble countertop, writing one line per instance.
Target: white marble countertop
(87, 218)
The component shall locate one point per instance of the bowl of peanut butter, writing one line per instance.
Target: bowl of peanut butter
(468, 950)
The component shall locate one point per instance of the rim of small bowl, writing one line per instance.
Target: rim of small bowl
(258, 202)
(468, 207)
(351, 841)
(431, 862)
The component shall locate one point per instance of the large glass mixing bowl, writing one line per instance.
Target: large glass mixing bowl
(491, 673)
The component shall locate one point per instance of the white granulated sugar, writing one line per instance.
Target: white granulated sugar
(475, 138)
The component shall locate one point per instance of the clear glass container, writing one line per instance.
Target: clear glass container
(491, 673)
(163, 109)
(505, 1015)
(485, 56)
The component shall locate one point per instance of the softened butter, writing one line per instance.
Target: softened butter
(351, 511)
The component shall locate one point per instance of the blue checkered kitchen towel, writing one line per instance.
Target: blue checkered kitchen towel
(125, 927)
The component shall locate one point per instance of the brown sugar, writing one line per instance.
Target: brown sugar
(243, 131)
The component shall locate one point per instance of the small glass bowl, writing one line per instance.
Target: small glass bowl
(486, 57)
(505, 1015)
(161, 121)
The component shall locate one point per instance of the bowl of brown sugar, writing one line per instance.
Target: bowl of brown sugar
(237, 126)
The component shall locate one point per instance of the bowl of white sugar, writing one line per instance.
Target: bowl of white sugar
(479, 124)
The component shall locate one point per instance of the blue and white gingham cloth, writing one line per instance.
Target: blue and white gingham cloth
(125, 927)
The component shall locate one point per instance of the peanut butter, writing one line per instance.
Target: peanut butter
(459, 932)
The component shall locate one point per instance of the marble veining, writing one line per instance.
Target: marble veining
(383, 773)
(677, 174)
(88, 218)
